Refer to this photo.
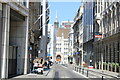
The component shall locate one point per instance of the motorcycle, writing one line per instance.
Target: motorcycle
(38, 68)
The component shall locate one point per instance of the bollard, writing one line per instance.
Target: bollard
(82, 71)
(79, 70)
(102, 75)
(87, 73)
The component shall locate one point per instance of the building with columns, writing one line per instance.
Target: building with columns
(14, 17)
(107, 48)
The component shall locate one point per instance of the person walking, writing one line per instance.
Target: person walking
(35, 64)
(41, 61)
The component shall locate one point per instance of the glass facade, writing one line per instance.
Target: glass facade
(88, 20)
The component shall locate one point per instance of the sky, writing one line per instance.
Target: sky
(65, 10)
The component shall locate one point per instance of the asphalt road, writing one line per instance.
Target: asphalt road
(56, 72)
(60, 71)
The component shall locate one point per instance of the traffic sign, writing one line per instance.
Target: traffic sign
(48, 54)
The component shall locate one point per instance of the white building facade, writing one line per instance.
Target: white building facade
(62, 44)
(62, 49)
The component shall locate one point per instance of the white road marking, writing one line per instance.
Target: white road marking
(76, 72)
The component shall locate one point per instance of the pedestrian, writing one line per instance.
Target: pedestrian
(35, 60)
(48, 63)
(35, 63)
(41, 61)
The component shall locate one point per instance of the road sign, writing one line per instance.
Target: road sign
(48, 54)
(98, 35)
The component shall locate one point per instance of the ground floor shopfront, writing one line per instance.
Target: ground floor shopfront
(107, 53)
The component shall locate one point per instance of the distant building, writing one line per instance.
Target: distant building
(52, 43)
(62, 44)
(67, 24)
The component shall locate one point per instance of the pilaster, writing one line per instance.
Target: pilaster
(5, 40)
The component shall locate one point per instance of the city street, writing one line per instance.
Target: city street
(71, 39)
(55, 72)
(60, 71)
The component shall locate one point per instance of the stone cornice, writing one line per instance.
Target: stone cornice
(17, 6)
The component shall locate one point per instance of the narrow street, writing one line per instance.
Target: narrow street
(57, 39)
(60, 71)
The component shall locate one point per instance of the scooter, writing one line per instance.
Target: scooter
(40, 69)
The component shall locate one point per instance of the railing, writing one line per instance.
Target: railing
(89, 72)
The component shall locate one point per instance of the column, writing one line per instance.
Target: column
(99, 55)
(108, 55)
(105, 56)
(5, 41)
(115, 16)
(44, 41)
(26, 47)
(95, 58)
(119, 55)
(112, 55)
(116, 55)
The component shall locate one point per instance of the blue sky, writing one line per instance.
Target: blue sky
(66, 11)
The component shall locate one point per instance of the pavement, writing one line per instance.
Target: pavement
(56, 72)
(68, 71)
(32, 76)
(94, 73)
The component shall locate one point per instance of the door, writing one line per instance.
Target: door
(12, 61)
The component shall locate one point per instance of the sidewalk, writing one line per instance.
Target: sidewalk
(31, 76)
(94, 73)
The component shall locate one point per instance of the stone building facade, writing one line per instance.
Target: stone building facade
(107, 48)
(13, 38)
